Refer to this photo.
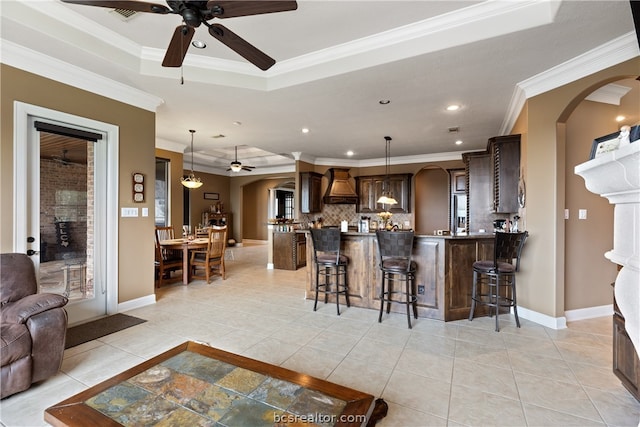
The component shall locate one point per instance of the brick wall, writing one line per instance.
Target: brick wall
(63, 199)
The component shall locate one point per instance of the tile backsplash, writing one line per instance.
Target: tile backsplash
(333, 215)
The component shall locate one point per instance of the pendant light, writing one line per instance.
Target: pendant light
(191, 181)
(387, 196)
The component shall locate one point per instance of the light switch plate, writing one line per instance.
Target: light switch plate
(145, 211)
(566, 214)
(582, 214)
(129, 212)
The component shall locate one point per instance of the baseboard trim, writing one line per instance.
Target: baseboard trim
(589, 313)
(254, 242)
(542, 319)
(136, 303)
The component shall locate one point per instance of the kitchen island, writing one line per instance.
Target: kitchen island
(443, 277)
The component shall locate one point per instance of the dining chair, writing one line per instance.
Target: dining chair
(167, 260)
(211, 260)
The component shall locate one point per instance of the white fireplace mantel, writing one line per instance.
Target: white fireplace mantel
(616, 176)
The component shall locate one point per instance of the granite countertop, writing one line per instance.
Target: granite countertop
(459, 236)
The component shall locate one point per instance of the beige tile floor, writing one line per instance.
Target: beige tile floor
(457, 373)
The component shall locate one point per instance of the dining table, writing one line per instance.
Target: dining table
(186, 245)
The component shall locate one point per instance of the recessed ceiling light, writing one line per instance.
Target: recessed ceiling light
(459, 142)
(620, 118)
(305, 130)
(384, 102)
(349, 153)
(199, 44)
(453, 107)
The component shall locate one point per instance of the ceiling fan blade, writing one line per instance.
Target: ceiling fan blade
(232, 9)
(241, 47)
(178, 46)
(137, 6)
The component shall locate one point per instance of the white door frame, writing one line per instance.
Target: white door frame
(23, 115)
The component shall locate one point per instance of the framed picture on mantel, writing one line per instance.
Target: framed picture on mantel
(615, 140)
(604, 144)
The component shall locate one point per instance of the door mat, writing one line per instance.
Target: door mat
(99, 328)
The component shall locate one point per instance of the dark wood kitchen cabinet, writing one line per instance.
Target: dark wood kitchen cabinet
(505, 155)
(492, 182)
(289, 250)
(370, 188)
(310, 192)
(626, 365)
(478, 168)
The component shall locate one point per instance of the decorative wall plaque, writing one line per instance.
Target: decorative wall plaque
(138, 187)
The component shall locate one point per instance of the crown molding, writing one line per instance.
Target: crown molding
(44, 10)
(165, 144)
(609, 94)
(400, 160)
(35, 62)
(478, 21)
(607, 55)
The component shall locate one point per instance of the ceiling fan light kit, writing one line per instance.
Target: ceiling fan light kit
(194, 13)
(237, 166)
(190, 181)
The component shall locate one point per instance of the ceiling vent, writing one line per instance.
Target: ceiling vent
(124, 14)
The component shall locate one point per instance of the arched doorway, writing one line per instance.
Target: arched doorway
(587, 272)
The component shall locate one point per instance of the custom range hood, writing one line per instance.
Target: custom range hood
(340, 191)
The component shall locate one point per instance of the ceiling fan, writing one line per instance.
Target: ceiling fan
(236, 166)
(63, 159)
(199, 12)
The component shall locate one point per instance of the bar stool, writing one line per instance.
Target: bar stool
(497, 274)
(330, 264)
(394, 254)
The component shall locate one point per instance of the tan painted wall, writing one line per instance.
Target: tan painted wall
(137, 141)
(541, 286)
(211, 184)
(587, 272)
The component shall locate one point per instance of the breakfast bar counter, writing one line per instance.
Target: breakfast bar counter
(443, 278)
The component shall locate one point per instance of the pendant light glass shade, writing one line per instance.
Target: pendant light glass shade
(387, 196)
(191, 181)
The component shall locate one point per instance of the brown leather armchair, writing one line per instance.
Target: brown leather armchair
(32, 326)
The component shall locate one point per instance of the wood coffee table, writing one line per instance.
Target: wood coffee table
(194, 384)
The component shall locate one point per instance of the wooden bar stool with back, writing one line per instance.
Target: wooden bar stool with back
(394, 255)
(330, 264)
(492, 276)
